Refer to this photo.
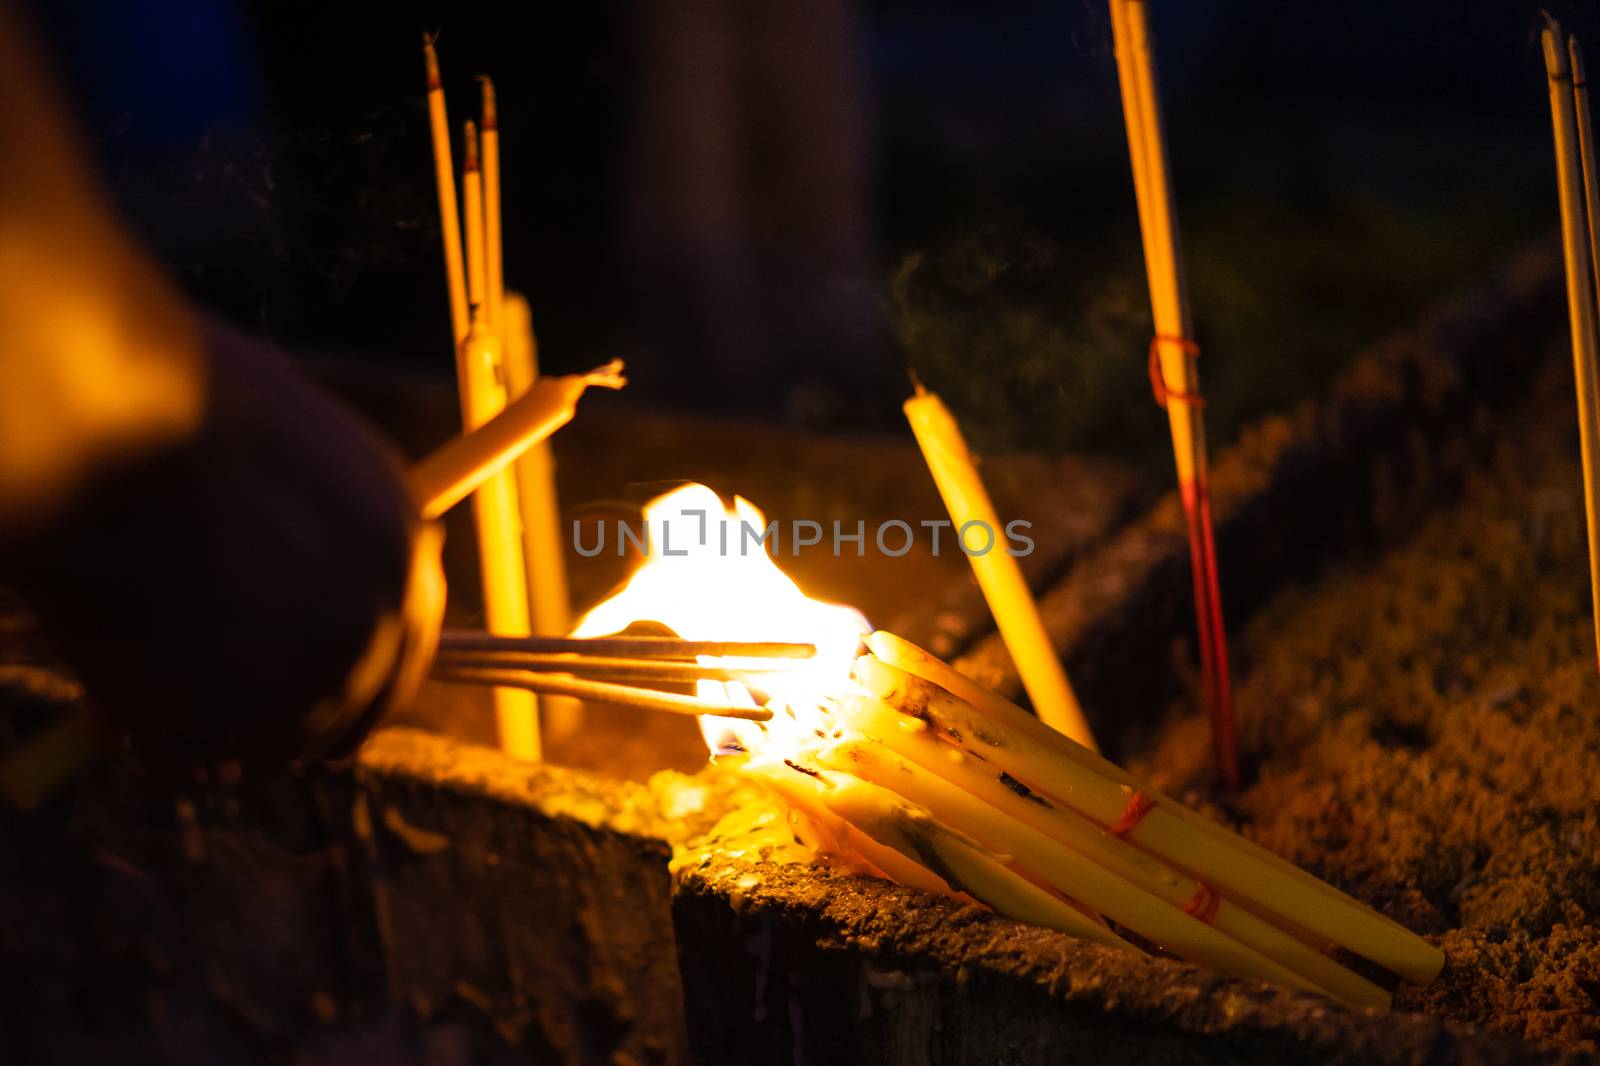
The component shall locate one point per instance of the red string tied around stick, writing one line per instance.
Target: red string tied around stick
(1158, 380)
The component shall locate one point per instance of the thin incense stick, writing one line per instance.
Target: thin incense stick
(1174, 374)
(1583, 272)
(549, 600)
(600, 692)
(494, 267)
(606, 667)
(472, 209)
(445, 179)
(626, 647)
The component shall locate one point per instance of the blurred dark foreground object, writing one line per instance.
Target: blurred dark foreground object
(271, 565)
(228, 558)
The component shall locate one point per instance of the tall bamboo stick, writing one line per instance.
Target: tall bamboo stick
(1173, 370)
(1574, 137)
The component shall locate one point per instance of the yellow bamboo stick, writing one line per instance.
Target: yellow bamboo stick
(959, 861)
(1030, 852)
(505, 585)
(908, 738)
(445, 180)
(494, 273)
(1016, 614)
(1574, 136)
(1048, 765)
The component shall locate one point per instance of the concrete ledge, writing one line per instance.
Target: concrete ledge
(437, 902)
(788, 965)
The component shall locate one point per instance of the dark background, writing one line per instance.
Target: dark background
(770, 209)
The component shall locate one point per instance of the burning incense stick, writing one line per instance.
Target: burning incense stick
(1569, 115)
(445, 179)
(1016, 614)
(600, 692)
(1173, 373)
(494, 267)
(627, 647)
(445, 477)
(612, 668)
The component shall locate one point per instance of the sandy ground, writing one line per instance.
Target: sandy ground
(1421, 729)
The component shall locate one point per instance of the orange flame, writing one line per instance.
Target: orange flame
(707, 576)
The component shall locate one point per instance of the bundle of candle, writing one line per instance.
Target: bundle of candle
(896, 762)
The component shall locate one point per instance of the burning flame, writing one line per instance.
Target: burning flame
(707, 576)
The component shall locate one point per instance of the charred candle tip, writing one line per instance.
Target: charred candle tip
(430, 58)
(491, 118)
(470, 146)
(1555, 56)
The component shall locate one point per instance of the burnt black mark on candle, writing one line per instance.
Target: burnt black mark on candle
(797, 768)
(984, 738)
(1016, 786)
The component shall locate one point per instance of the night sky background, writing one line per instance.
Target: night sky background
(774, 209)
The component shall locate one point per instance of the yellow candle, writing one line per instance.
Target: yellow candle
(999, 576)
(1068, 872)
(904, 655)
(445, 180)
(505, 586)
(543, 546)
(908, 738)
(446, 476)
(1056, 768)
(962, 863)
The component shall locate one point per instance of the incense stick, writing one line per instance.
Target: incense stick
(452, 640)
(472, 209)
(1174, 375)
(600, 692)
(445, 179)
(1569, 114)
(609, 667)
(489, 155)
